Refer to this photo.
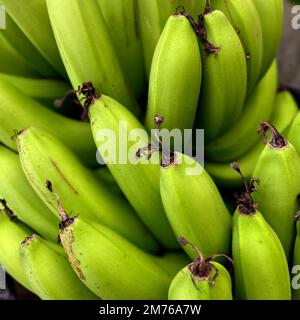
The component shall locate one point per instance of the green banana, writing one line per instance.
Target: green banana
(203, 279)
(278, 169)
(88, 54)
(121, 19)
(260, 266)
(271, 19)
(45, 158)
(33, 21)
(49, 272)
(21, 199)
(153, 15)
(104, 175)
(224, 70)
(285, 110)
(245, 20)
(196, 220)
(175, 76)
(138, 179)
(18, 111)
(293, 134)
(241, 135)
(12, 233)
(296, 261)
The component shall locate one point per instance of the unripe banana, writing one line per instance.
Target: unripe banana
(245, 20)
(88, 54)
(33, 20)
(203, 279)
(49, 273)
(153, 15)
(18, 111)
(260, 266)
(175, 76)
(278, 169)
(139, 180)
(271, 18)
(241, 135)
(21, 199)
(121, 19)
(296, 260)
(45, 158)
(224, 70)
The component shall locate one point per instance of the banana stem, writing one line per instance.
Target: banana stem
(277, 141)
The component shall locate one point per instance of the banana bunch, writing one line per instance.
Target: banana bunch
(153, 221)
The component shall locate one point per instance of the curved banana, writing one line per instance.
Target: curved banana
(44, 158)
(278, 170)
(21, 199)
(285, 110)
(138, 179)
(153, 15)
(33, 20)
(195, 220)
(88, 54)
(18, 111)
(121, 19)
(271, 19)
(241, 135)
(260, 266)
(49, 272)
(296, 260)
(175, 76)
(224, 70)
(245, 20)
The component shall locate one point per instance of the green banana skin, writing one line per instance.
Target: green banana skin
(244, 18)
(220, 103)
(260, 267)
(186, 286)
(175, 77)
(86, 55)
(293, 133)
(271, 18)
(195, 220)
(44, 158)
(12, 233)
(98, 254)
(153, 15)
(49, 272)
(285, 110)
(21, 199)
(34, 22)
(278, 170)
(139, 180)
(241, 135)
(121, 19)
(296, 292)
(19, 111)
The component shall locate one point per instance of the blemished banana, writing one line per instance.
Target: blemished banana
(261, 269)
(21, 199)
(33, 20)
(271, 19)
(224, 70)
(153, 15)
(137, 178)
(245, 20)
(121, 19)
(44, 158)
(49, 273)
(45, 91)
(285, 110)
(88, 54)
(12, 233)
(296, 260)
(18, 111)
(203, 279)
(241, 135)
(175, 77)
(278, 170)
(194, 206)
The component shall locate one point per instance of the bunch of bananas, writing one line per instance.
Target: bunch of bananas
(70, 230)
